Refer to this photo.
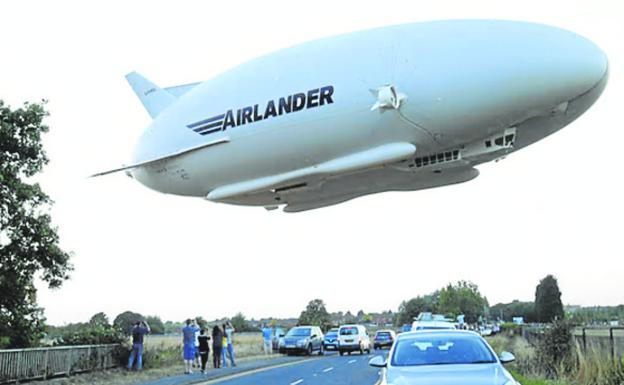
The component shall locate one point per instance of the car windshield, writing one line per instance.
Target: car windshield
(348, 331)
(332, 333)
(441, 349)
(434, 328)
(383, 334)
(299, 332)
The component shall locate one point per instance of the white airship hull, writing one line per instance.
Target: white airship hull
(304, 126)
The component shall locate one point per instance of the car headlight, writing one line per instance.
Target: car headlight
(302, 342)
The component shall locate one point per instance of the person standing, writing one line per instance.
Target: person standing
(188, 340)
(229, 330)
(197, 360)
(224, 349)
(204, 349)
(267, 333)
(139, 329)
(217, 346)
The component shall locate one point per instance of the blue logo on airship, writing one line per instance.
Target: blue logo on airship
(285, 105)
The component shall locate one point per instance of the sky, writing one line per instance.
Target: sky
(552, 208)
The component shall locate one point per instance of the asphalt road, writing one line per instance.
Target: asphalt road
(331, 369)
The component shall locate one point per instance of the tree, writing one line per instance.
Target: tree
(408, 310)
(548, 306)
(156, 325)
(315, 314)
(124, 321)
(241, 324)
(463, 298)
(99, 319)
(28, 241)
(507, 311)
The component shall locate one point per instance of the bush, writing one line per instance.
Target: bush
(554, 349)
(511, 329)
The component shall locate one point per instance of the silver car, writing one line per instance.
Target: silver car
(443, 358)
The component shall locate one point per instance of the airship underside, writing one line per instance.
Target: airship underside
(398, 108)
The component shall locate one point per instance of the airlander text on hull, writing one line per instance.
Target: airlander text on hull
(285, 105)
(398, 108)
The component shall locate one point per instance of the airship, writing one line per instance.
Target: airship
(398, 108)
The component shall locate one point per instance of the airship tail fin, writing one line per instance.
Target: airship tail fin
(154, 98)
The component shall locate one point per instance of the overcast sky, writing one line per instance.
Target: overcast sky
(552, 208)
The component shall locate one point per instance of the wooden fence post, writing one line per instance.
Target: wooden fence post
(45, 364)
(612, 343)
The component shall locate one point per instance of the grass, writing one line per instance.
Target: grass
(593, 367)
(162, 357)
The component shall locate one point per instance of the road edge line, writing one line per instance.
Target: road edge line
(252, 371)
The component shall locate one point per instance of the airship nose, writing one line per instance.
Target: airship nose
(582, 63)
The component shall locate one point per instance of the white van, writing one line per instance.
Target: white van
(352, 338)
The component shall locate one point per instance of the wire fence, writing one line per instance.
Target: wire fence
(607, 341)
(41, 363)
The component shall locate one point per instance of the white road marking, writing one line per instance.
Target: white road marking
(297, 382)
(352, 361)
(328, 369)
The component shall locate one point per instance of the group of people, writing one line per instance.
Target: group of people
(196, 346)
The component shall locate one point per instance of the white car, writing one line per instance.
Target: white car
(352, 338)
(442, 357)
(432, 325)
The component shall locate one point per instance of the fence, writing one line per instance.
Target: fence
(41, 363)
(603, 340)
(608, 341)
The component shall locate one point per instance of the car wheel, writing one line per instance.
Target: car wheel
(361, 350)
(309, 351)
(321, 351)
(341, 352)
(349, 352)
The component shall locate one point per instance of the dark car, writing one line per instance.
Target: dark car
(384, 338)
(304, 339)
(330, 341)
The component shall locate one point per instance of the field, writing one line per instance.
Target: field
(245, 344)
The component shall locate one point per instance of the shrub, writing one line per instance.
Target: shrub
(554, 348)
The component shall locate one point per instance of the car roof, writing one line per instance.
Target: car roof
(439, 332)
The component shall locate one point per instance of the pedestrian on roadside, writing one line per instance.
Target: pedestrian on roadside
(267, 333)
(229, 330)
(139, 329)
(217, 346)
(188, 340)
(204, 349)
(197, 360)
(224, 349)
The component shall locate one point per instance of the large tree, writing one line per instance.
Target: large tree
(548, 306)
(315, 314)
(29, 244)
(124, 321)
(409, 310)
(463, 298)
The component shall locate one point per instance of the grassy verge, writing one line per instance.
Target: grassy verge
(162, 357)
(591, 367)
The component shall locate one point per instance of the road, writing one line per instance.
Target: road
(332, 369)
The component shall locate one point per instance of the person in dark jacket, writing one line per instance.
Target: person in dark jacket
(204, 349)
(217, 346)
(140, 329)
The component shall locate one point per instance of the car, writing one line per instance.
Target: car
(277, 339)
(304, 339)
(384, 338)
(433, 325)
(353, 338)
(330, 341)
(443, 357)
